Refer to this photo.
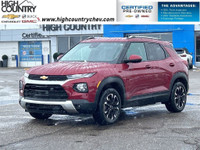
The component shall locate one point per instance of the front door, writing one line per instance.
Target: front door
(138, 76)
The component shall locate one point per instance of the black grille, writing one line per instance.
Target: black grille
(41, 108)
(50, 77)
(45, 92)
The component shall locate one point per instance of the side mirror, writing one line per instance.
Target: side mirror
(134, 59)
(59, 57)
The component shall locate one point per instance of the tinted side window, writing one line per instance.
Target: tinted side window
(137, 49)
(155, 52)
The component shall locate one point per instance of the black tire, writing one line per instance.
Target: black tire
(109, 107)
(188, 65)
(191, 66)
(178, 98)
(40, 116)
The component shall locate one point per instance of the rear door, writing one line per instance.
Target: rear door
(162, 66)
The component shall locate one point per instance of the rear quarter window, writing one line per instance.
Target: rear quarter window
(155, 52)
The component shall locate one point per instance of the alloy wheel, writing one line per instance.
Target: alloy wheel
(111, 107)
(180, 97)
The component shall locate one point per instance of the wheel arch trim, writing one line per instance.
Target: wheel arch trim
(110, 81)
(179, 75)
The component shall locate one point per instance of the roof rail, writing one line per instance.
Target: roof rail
(137, 36)
(91, 37)
(130, 36)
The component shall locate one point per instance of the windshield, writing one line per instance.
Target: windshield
(95, 52)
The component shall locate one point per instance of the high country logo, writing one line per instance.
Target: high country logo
(11, 16)
(16, 6)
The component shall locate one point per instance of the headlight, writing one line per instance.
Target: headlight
(20, 85)
(26, 75)
(78, 76)
(81, 87)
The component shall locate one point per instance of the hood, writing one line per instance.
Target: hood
(68, 68)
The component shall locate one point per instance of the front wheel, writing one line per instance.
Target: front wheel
(109, 107)
(40, 116)
(178, 98)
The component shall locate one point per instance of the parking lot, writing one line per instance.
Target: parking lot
(149, 127)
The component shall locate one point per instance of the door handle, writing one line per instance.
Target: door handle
(148, 66)
(171, 65)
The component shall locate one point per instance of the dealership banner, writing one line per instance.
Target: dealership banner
(178, 11)
(98, 12)
(30, 51)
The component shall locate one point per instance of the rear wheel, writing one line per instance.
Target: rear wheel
(178, 98)
(188, 64)
(191, 66)
(109, 107)
(40, 116)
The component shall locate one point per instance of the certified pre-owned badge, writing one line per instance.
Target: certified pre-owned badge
(11, 16)
(43, 77)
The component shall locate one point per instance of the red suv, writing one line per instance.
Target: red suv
(100, 76)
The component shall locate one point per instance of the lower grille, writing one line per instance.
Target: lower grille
(40, 108)
(45, 92)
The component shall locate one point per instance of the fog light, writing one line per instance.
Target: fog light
(81, 87)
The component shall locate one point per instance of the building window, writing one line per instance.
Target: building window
(74, 40)
(63, 44)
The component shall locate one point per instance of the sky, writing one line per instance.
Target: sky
(18, 26)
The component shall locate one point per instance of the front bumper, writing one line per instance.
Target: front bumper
(47, 97)
(56, 107)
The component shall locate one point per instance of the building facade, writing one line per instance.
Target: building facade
(181, 36)
(32, 47)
